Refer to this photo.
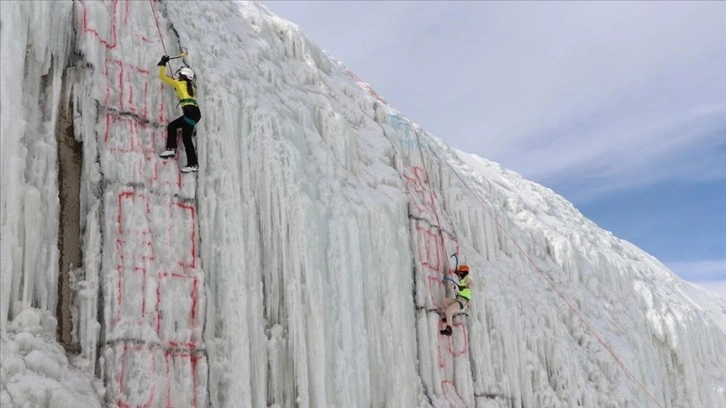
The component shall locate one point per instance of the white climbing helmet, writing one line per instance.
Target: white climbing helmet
(185, 72)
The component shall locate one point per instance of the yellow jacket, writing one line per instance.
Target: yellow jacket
(179, 86)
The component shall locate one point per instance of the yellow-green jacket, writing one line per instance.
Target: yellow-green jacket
(179, 86)
(466, 292)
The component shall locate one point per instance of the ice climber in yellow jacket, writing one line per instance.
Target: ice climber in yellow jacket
(459, 302)
(185, 88)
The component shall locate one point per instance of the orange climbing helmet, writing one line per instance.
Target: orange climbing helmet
(462, 269)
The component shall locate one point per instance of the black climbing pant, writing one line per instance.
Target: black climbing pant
(186, 123)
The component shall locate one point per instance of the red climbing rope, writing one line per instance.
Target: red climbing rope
(156, 19)
(552, 284)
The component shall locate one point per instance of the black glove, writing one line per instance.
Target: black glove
(462, 287)
(164, 59)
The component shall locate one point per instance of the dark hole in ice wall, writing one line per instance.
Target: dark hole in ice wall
(69, 230)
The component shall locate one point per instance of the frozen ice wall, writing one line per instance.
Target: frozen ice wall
(304, 264)
(32, 83)
(35, 88)
(130, 309)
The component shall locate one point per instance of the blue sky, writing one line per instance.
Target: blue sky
(618, 106)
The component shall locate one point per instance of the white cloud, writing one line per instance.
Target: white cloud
(605, 91)
(682, 148)
(700, 271)
(717, 287)
(709, 275)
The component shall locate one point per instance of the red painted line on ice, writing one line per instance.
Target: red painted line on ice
(131, 100)
(158, 309)
(193, 263)
(193, 296)
(444, 383)
(191, 210)
(120, 293)
(168, 382)
(123, 80)
(416, 191)
(145, 111)
(162, 107)
(121, 87)
(431, 240)
(86, 28)
(121, 243)
(195, 290)
(119, 76)
(365, 86)
(190, 345)
(130, 194)
(143, 292)
(193, 361)
(430, 244)
(127, 135)
(121, 400)
(163, 164)
(119, 296)
(431, 281)
(126, 13)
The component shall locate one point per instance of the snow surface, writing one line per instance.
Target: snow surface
(303, 265)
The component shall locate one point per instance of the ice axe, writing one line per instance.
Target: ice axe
(182, 55)
(457, 261)
(446, 278)
(455, 268)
